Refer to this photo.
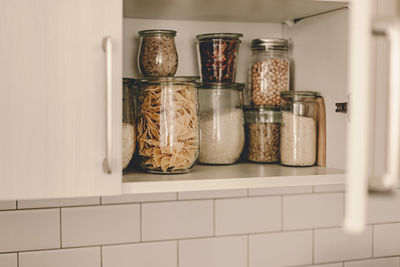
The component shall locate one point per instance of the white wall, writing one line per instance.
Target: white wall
(320, 58)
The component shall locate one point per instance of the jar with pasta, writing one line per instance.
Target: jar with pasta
(168, 124)
(269, 71)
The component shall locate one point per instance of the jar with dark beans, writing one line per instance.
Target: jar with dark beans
(157, 54)
(218, 56)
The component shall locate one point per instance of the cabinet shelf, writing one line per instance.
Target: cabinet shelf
(239, 10)
(238, 176)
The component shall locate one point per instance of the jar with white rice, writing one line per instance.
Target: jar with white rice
(128, 123)
(221, 123)
(299, 128)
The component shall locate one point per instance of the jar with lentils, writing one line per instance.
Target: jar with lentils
(263, 131)
(269, 71)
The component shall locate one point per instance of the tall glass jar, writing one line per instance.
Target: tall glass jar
(128, 123)
(168, 124)
(157, 53)
(217, 56)
(299, 128)
(262, 133)
(221, 123)
(269, 71)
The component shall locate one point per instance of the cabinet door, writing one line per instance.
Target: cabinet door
(53, 98)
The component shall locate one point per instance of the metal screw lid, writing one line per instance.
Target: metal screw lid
(270, 44)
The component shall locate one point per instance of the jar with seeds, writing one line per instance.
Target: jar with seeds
(269, 71)
(168, 124)
(157, 53)
(262, 133)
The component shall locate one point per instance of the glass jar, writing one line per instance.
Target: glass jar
(269, 71)
(299, 128)
(221, 123)
(157, 54)
(168, 124)
(128, 123)
(262, 133)
(217, 56)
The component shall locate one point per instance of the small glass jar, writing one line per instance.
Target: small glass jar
(299, 128)
(168, 124)
(128, 123)
(262, 133)
(269, 71)
(221, 123)
(157, 54)
(217, 56)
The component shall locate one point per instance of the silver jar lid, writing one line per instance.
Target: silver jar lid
(270, 44)
(222, 86)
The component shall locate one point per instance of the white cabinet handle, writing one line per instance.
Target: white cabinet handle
(389, 181)
(107, 46)
(358, 130)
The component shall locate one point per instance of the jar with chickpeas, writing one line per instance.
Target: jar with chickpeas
(269, 71)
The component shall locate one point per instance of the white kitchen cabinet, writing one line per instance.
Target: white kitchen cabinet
(53, 97)
(53, 104)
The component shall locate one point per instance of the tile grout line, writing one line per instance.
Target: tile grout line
(373, 241)
(214, 218)
(177, 253)
(248, 250)
(141, 222)
(313, 246)
(60, 228)
(101, 255)
(282, 213)
(17, 259)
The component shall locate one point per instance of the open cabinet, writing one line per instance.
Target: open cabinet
(54, 105)
(320, 64)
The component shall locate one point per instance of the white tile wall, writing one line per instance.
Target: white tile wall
(335, 245)
(179, 219)
(247, 215)
(136, 198)
(387, 240)
(213, 252)
(59, 202)
(312, 211)
(213, 194)
(85, 226)
(280, 190)
(29, 230)
(146, 254)
(8, 260)
(8, 205)
(226, 228)
(384, 208)
(78, 257)
(388, 262)
(280, 249)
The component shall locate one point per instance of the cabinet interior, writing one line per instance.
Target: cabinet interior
(318, 52)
